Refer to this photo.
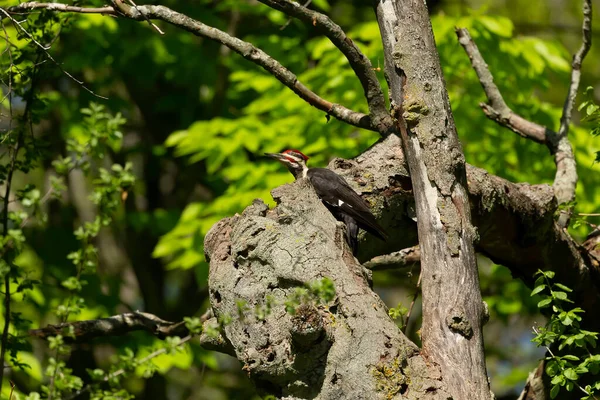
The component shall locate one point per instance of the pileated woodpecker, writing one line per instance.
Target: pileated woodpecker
(343, 202)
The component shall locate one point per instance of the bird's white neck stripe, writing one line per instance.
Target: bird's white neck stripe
(304, 170)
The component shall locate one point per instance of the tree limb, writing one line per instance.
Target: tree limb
(565, 180)
(496, 109)
(346, 347)
(114, 326)
(453, 310)
(398, 259)
(245, 49)
(515, 221)
(358, 61)
(33, 5)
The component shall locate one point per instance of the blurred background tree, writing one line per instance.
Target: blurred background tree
(112, 199)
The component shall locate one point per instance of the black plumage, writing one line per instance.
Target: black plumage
(343, 202)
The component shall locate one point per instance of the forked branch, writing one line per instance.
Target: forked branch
(358, 61)
(565, 181)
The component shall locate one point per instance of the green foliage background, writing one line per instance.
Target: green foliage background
(195, 119)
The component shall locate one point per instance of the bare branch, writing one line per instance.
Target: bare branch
(245, 49)
(152, 24)
(565, 180)
(496, 109)
(45, 50)
(33, 5)
(396, 260)
(113, 326)
(358, 61)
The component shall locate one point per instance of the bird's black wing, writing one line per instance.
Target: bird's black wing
(336, 192)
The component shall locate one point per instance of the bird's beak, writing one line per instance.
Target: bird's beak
(277, 156)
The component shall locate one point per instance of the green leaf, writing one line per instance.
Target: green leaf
(537, 289)
(563, 287)
(544, 303)
(500, 26)
(549, 274)
(552, 368)
(571, 374)
(569, 386)
(554, 391)
(570, 357)
(559, 295)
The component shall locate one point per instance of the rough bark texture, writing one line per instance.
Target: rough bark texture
(264, 253)
(453, 310)
(347, 349)
(350, 348)
(515, 221)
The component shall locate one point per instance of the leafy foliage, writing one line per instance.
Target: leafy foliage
(177, 147)
(573, 363)
(321, 291)
(591, 115)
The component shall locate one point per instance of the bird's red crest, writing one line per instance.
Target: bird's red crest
(296, 153)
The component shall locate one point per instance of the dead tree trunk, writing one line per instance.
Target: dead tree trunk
(453, 310)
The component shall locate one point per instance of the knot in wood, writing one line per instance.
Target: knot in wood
(458, 323)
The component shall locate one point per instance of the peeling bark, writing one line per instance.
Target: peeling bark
(350, 348)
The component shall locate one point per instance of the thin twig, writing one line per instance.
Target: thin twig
(152, 24)
(496, 108)
(565, 180)
(45, 49)
(290, 18)
(7, 297)
(9, 177)
(121, 371)
(417, 291)
(10, 74)
(64, 319)
(27, 7)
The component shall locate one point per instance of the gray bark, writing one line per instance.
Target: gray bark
(347, 349)
(264, 253)
(453, 310)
